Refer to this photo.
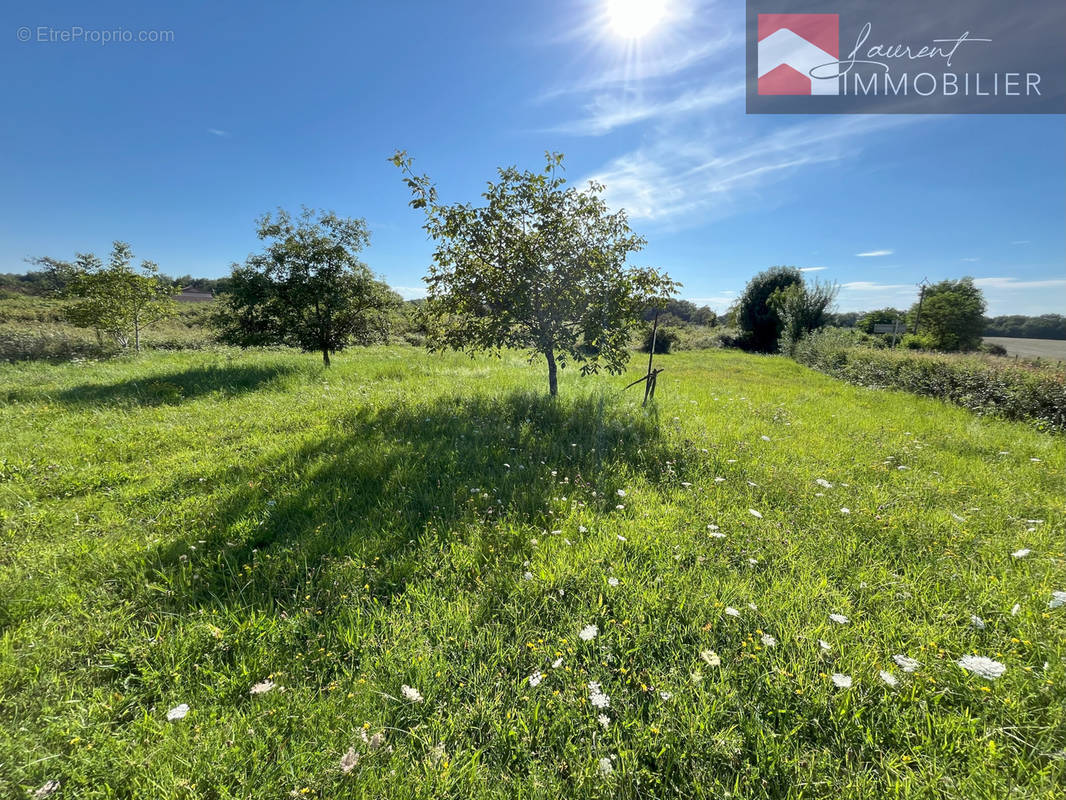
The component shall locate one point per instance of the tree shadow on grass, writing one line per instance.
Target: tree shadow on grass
(395, 482)
(173, 388)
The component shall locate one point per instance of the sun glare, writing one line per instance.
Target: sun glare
(634, 19)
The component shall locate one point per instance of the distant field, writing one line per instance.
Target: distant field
(1030, 348)
(589, 599)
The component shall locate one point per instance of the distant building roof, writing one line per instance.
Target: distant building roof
(191, 294)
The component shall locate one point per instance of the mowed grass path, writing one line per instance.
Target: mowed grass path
(178, 529)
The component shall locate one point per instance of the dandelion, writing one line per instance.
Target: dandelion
(824, 483)
(977, 622)
(411, 694)
(604, 720)
(588, 633)
(888, 678)
(263, 687)
(606, 768)
(982, 666)
(732, 611)
(754, 513)
(178, 712)
(612, 581)
(841, 681)
(535, 679)
(768, 640)
(1057, 599)
(905, 663)
(711, 658)
(47, 790)
(839, 619)
(597, 696)
(1021, 553)
(375, 741)
(349, 760)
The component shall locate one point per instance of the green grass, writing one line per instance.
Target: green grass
(179, 528)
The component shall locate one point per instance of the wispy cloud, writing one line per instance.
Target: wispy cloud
(969, 259)
(1014, 283)
(1021, 241)
(812, 269)
(219, 132)
(874, 253)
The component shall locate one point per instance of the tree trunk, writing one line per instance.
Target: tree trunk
(325, 356)
(553, 381)
(136, 335)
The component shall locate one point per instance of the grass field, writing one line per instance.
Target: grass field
(1053, 349)
(583, 598)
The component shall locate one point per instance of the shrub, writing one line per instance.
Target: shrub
(987, 386)
(665, 339)
(755, 315)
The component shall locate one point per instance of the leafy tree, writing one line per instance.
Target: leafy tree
(952, 315)
(801, 309)
(882, 316)
(538, 267)
(755, 315)
(307, 289)
(115, 299)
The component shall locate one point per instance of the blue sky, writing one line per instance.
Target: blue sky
(178, 146)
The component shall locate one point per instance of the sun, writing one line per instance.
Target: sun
(634, 19)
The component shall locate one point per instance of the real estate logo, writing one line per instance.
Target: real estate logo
(792, 47)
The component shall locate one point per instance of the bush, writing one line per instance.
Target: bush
(993, 349)
(986, 386)
(665, 339)
(48, 345)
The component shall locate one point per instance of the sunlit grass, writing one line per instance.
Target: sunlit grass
(182, 528)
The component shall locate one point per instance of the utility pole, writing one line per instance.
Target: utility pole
(921, 299)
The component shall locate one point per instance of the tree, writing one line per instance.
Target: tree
(952, 315)
(113, 299)
(882, 316)
(801, 309)
(754, 313)
(538, 267)
(307, 289)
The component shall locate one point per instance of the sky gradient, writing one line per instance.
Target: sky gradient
(178, 146)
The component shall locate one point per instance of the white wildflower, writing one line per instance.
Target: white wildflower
(716, 535)
(588, 633)
(1021, 553)
(768, 640)
(411, 694)
(839, 619)
(178, 712)
(822, 643)
(1057, 599)
(535, 679)
(824, 483)
(612, 581)
(732, 611)
(1015, 609)
(375, 741)
(606, 768)
(765, 438)
(711, 658)
(621, 538)
(665, 695)
(527, 575)
(977, 622)
(47, 790)
(841, 681)
(263, 687)
(754, 513)
(983, 666)
(712, 527)
(597, 696)
(905, 663)
(557, 663)
(604, 720)
(845, 511)
(349, 760)
(621, 493)
(888, 678)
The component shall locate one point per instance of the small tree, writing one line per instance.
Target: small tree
(801, 309)
(952, 315)
(882, 316)
(755, 315)
(538, 267)
(115, 299)
(307, 289)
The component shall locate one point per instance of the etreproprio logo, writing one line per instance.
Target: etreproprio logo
(908, 56)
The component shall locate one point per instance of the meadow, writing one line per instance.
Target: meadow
(230, 574)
